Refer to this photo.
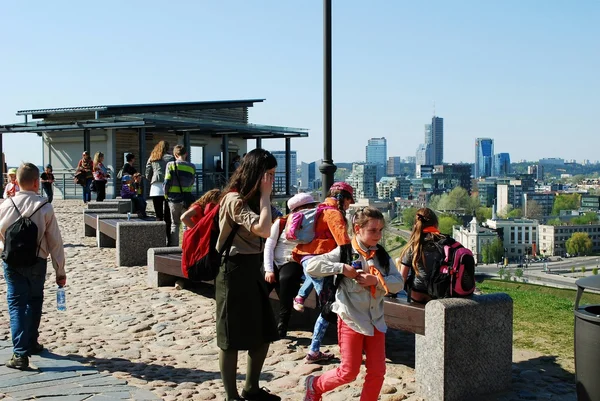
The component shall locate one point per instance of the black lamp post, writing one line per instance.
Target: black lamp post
(327, 168)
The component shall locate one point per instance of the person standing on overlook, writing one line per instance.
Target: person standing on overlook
(245, 319)
(25, 283)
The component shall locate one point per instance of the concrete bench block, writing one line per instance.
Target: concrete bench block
(157, 279)
(90, 231)
(467, 348)
(134, 238)
(102, 205)
(103, 240)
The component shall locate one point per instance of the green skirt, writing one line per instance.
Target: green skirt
(245, 319)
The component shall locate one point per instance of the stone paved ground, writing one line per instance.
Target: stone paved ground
(163, 340)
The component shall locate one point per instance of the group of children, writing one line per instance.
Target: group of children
(133, 188)
(360, 293)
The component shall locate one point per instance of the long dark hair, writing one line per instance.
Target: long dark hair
(425, 218)
(247, 177)
(339, 195)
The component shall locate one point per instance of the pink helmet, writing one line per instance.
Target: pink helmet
(343, 186)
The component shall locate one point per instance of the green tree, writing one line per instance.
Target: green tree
(446, 222)
(515, 214)
(595, 271)
(554, 222)
(583, 269)
(483, 213)
(589, 217)
(565, 202)
(534, 210)
(579, 243)
(519, 273)
(458, 198)
(434, 202)
(408, 216)
(493, 252)
(505, 211)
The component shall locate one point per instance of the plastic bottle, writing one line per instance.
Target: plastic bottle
(61, 299)
(128, 216)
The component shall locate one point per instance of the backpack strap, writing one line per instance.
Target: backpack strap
(15, 205)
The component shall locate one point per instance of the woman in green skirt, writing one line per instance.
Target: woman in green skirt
(245, 320)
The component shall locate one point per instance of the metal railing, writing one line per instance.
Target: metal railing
(66, 188)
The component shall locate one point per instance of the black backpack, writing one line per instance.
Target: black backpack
(21, 246)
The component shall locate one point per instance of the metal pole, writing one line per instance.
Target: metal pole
(142, 149)
(327, 168)
(258, 143)
(86, 141)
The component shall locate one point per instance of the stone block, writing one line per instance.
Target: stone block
(103, 240)
(134, 238)
(157, 279)
(91, 231)
(466, 351)
(102, 205)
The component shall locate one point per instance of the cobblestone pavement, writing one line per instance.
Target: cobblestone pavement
(163, 340)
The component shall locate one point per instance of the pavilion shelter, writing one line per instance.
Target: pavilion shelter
(219, 129)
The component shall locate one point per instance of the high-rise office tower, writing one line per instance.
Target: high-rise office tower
(376, 153)
(428, 155)
(501, 164)
(437, 143)
(484, 157)
(393, 166)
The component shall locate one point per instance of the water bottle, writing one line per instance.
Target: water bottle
(61, 299)
(128, 216)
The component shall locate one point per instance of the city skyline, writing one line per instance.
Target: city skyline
(520, 73)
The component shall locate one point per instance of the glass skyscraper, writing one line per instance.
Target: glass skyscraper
(501, 164)
(484, 157)
(376, 153)
(437, 135)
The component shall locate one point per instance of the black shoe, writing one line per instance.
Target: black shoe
(18, 362)
(282, 330)
(262, 395)
(36, 349)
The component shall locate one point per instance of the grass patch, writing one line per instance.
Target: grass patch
(543, 317)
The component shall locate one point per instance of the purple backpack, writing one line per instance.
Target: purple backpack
(454, 276)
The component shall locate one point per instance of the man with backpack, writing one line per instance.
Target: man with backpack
(29, 233)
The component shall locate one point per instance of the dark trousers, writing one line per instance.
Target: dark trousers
(100, 190)
(49, 190)
(163, 213)
(288, 278)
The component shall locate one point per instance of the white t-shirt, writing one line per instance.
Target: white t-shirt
(157, 189)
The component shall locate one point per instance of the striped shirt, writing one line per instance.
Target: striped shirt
(179, 181)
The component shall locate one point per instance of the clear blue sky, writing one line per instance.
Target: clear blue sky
(522, 72)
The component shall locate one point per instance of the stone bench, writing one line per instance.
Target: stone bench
(132, 238)
(463, 346)
(119, 205)
(90, 219)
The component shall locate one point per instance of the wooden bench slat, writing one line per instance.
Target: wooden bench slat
(399, 314)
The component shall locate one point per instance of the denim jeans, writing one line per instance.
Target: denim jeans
(24, 296)
(87, 192)
(49, 190)
(321, 324)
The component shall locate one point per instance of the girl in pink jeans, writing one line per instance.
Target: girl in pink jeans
(359, 306)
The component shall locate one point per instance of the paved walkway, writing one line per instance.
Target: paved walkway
(121, 339)
(53, 377)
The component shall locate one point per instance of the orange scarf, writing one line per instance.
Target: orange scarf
(431, 229)
(369, 256)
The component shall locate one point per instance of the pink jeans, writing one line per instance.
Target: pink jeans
(352, 345)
